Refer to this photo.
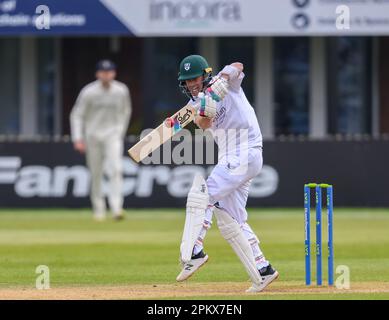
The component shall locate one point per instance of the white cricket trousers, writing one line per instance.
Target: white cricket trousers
(105, 157)
(229, 182)
(228, 188)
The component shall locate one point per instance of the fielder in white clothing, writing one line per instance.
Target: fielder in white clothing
(99, 122)
(226, 112)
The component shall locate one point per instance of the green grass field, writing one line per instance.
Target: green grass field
(138, 258)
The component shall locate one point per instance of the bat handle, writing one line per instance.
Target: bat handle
(197, 105)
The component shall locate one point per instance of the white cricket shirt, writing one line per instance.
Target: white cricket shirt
(101, 113)
(235, 126)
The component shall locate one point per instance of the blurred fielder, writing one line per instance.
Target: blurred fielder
(99, 122)
(225, 111)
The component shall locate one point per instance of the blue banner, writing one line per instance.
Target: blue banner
(58, 17)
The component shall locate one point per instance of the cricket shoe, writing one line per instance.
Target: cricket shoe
(118, 216)
(99, 217)
(268, 275)
(191, 267)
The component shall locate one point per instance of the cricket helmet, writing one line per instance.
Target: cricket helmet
(191, 67)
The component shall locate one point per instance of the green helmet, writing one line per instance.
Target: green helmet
(191, 67)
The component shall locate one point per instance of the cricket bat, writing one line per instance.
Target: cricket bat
(162, 133)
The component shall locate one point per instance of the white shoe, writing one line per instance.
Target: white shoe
(192, 266)
(98, 217)
(268, 275)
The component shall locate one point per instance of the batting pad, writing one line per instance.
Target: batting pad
(196, 204)
(231, 231)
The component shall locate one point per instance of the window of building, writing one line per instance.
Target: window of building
(161, 60)
(239, 49)
(79, 56)
(46, 86)
(383, 86)
(349, 82)
(9, 86)
(291, 85)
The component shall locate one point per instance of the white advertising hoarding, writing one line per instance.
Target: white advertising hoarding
(252, 17)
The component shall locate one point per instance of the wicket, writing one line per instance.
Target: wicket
(307, 240)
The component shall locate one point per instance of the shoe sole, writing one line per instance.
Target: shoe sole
(267, 284)
(118, 218)
(275, 278)
(181, 280)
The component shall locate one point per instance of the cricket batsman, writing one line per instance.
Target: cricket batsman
(226, 112)
(99, 122)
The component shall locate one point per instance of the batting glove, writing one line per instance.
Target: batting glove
(207, 106)
(218, 89)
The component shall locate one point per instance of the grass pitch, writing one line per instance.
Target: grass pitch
(138, 258)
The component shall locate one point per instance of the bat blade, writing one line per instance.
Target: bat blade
(154, 139)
